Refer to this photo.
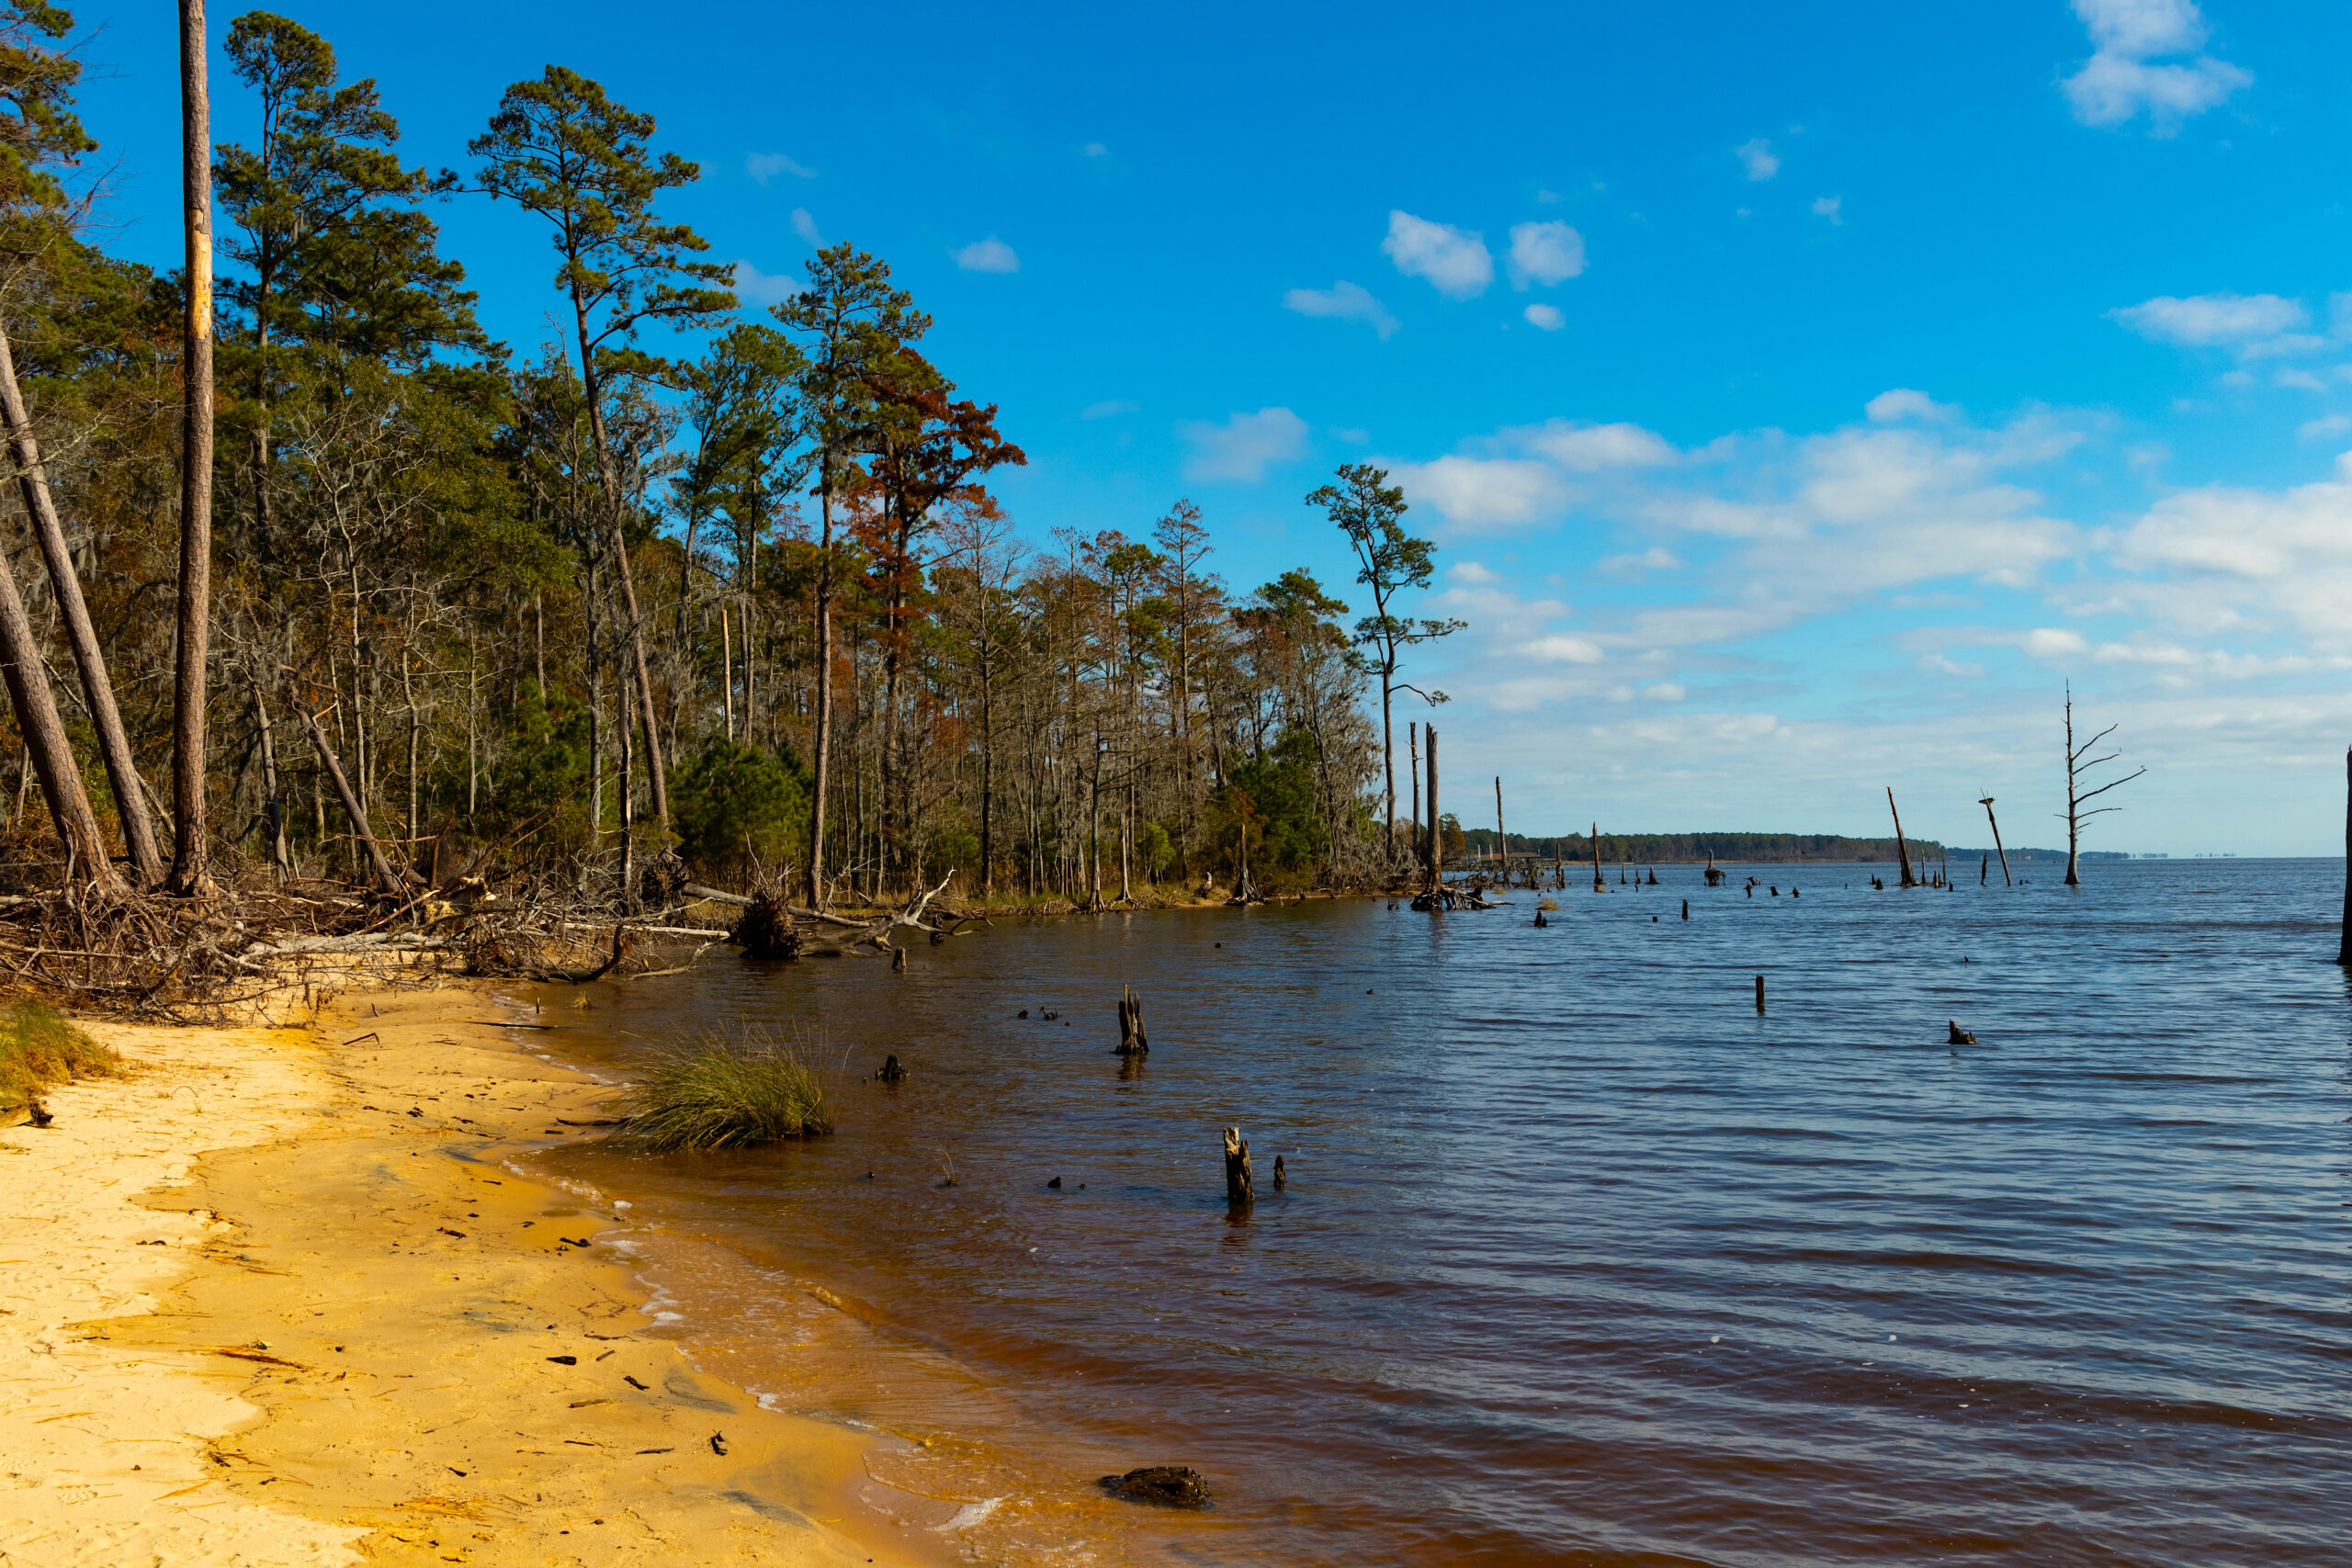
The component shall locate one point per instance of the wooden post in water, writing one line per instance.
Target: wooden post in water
(1413, 772)
(1987, 804)
(1435, 845)
(1237, 1168)
(1502, 842)
(2344, 946)
(1598, 886)
(1131, 1040)
(1902, 850)
(1760, 993)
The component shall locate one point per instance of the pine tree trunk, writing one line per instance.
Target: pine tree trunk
(114, 745)
(190, 876)
(45, 744)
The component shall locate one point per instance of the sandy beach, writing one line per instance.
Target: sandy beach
(274, 1297)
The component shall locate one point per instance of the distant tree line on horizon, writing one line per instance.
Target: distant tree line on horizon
(1729, 848)
(674, 589)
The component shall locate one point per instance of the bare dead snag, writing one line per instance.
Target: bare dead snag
(190, 876)
(2344, 945)
(1902, 849)
(1239, 1189)
(385, 875)
(2079, 761)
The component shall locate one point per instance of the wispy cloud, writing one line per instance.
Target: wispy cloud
(991, 254)
(1456, 261)
(1111, 409)
(1831, 207)
(2252, 326)
(806, 227)
(1757, 158)
(1343, 301)
(1545, 254)
(1546, 317)
(1899, 403)
(764, 166)
(758, 287)
(1242, 448)
(1094, 149)
(2122, 81)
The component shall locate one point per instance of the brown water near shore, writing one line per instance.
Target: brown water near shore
(1582, 1260)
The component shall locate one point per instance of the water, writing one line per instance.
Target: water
(1582, 1261)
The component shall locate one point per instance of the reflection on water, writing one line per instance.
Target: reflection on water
(1581, 1260)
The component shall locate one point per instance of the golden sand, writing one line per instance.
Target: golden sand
(269, 1300)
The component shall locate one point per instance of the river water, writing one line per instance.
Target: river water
(1581, 1260)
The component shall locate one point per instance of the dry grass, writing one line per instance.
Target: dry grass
(717, 1094)
(39, 1047)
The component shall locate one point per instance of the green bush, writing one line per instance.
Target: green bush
(717, 1095)
(729, 793)
(38, 1047)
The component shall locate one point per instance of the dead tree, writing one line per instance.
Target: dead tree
(1902, 849)
(2344, 943)
(1435, 843)
(2079, 761)
(1987, 804)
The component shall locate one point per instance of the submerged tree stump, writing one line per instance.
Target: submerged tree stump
(1131, 1040)
(1239, 1189)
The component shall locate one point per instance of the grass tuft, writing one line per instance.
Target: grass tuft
(718, 1095)
(39, 1047)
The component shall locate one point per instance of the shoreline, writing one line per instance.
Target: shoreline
(281, 1295)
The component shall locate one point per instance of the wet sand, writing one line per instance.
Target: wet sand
(276, 1297)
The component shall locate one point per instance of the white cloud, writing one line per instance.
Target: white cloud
(1559, 649)
(762, 288)
(2251, 325)
(1343, 301)
(765, 166)
(1936, 663)
(1588, 448)
(1546, 317)
(1831, 207)
(1456, 261)
(1111, 409)
(2052, 642)
(1545, 254)
(1666, 692)
(991, 254)
(1094, 149)
(2301, 380)
(806, 227)
(1900, 403)
(1483, 493)
(2118, 81)
(1244, 446)
(1351, 434)
(1473, 573)
(1758, 157)
(2327, 427)
(1657, 557)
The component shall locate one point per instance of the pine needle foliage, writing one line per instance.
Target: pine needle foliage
(38, 1047)
(717, 1094)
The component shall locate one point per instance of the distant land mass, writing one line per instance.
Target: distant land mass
(1697, 849)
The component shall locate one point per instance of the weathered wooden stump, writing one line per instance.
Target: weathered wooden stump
(889, 1071)
(1131, 1040)
(1238, 1189)
(1760, 993)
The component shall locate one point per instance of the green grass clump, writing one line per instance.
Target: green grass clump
(38, 1047)
(717, 1095)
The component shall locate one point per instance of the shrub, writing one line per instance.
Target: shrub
(38, 1047)
(717, 1095)
(731, 793)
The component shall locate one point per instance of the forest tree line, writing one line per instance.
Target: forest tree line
(678, 592)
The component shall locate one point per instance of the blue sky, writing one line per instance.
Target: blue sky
(1798, 395)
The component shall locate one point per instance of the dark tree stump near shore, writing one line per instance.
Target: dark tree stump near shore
(1162, 1485)
(767, 930)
